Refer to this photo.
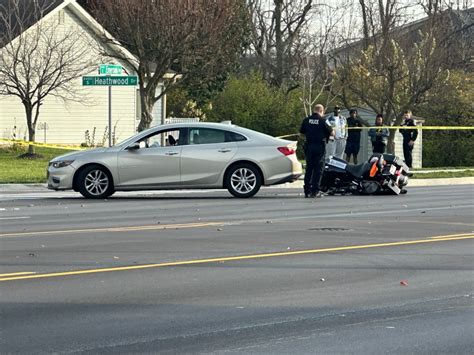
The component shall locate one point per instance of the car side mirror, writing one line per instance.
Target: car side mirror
(136, 146)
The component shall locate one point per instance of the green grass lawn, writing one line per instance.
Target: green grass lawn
(14, 170)
(444, 174)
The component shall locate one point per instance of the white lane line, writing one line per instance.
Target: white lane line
(69, 194)
(20, 217)
(35, 196)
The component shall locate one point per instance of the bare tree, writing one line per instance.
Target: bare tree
(37, 58)
(279, 39)
(171, 37)
(332, 24)
(401, 64)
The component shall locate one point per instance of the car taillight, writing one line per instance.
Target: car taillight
(286, 150)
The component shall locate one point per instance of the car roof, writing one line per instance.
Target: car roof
(216, 125)
(249, 133)
(192, 124)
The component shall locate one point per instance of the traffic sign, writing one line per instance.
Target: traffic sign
(130, 80)
(110, 69)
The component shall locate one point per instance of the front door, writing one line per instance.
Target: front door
(155, 164)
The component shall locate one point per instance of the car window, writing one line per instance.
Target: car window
(209, 136)
(235, 137)
(206, 136)
(161, 139)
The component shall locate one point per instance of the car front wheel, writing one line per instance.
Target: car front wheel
(243, 180)
(95, 182)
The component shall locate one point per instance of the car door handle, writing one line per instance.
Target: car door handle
(224, 150)
(171, 153)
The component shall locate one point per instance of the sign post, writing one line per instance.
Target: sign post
(44, 126)
(110, 115)
(110, 75)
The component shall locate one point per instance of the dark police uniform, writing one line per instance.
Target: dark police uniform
(408, 135)
(317, 131)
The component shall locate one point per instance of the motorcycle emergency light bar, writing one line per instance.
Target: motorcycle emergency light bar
(373, 170)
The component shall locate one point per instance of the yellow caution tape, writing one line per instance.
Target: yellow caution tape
(17, 141)
(432, 128)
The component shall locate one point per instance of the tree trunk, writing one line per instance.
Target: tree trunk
(146, 104)
(278, 43)
(31, 126)
(393, 132)
(365, 24)
(31, 138)
(391, 142)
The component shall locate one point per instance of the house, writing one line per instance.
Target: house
(85, 120)
(365, 152)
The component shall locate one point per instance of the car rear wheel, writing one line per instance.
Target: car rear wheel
(95, 182)
(243, 180)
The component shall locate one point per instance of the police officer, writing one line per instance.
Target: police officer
(409, 137)
(317, 131)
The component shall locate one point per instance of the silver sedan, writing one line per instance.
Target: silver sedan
(180, 156)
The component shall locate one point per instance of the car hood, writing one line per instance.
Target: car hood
(76, 155)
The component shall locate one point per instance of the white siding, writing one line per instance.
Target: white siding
(68, 121)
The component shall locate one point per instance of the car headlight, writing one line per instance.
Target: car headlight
(60, 163)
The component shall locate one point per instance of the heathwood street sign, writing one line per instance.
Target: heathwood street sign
(130, 80)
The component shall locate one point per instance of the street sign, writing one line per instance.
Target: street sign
(110, 69)
(108, 80)
(130, 80)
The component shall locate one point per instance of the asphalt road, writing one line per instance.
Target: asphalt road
(202, 272)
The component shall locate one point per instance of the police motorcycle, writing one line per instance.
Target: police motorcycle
(381, 174)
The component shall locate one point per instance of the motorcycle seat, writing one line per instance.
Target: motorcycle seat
(358, 170)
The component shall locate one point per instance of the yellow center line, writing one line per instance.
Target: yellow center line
(241, 257)
(113, 229)
(452, 236)
(18, 273)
